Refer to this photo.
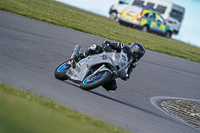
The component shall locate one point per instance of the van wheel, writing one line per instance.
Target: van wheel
(168, 34)
(145, 28)
(113, 15)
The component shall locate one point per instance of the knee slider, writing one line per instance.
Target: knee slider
(93, 47)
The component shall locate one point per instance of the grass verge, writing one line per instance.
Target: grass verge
(23, 112)
(70, 17)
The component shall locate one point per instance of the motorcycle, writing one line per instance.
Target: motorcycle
(94, 70)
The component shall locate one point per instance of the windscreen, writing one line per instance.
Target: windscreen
(125, 1)
(134, 9)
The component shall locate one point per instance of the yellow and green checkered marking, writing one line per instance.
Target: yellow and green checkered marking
(151, 24)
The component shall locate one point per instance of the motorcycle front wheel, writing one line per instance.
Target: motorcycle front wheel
(60, 72)
(93, 81)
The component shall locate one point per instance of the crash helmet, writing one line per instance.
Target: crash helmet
(137, 51)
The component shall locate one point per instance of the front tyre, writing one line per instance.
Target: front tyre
(93, 81)
(60, 72)
(113, 15)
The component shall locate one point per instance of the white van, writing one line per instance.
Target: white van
(172, 13)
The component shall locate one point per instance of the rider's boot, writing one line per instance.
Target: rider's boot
(110, 86)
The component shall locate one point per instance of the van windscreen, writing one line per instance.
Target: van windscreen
(125, 1)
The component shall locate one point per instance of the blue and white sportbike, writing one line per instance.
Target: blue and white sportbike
(94, 70)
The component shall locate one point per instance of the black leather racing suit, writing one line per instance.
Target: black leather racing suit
(109, 47)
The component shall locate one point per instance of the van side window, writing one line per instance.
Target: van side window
(150, 4)
(138, 2)
(177, 15)
(161, 9)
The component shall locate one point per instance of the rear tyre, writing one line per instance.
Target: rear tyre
(145, 28)
(91, 82)
(168, 34)
(60, 72)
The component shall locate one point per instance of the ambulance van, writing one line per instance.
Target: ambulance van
(172, 13)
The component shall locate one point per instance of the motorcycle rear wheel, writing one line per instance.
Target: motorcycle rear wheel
(91, 82)
(60, 72)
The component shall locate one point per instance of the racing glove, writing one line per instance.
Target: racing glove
(106, 46)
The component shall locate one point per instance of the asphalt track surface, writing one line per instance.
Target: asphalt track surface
(30, 51)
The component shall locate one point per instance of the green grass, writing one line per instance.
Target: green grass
(23, 112)
(70, 17)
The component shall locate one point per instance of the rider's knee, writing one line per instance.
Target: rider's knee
(93, 49)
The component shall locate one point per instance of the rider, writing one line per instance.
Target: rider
(133, 52)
